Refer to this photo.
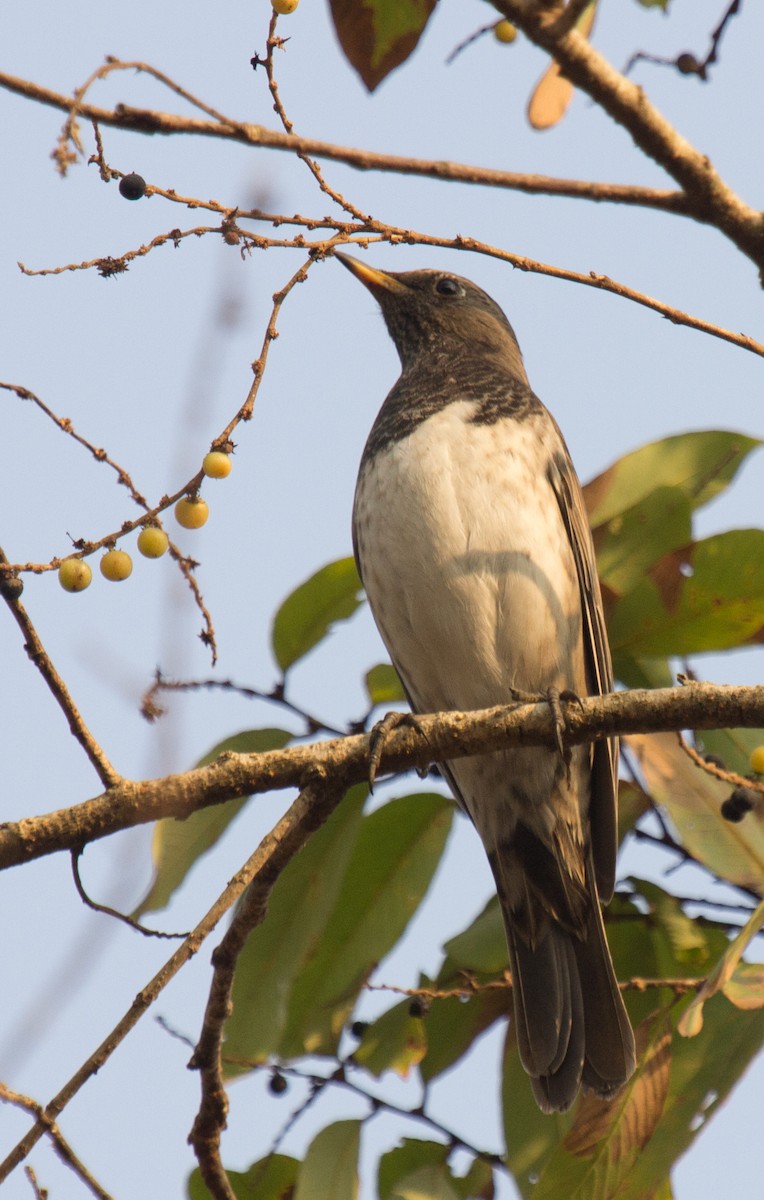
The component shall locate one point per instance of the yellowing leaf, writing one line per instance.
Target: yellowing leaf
(693, 800)
(552, 94)
(626, 1123)
(691, 1021)
(745, 987)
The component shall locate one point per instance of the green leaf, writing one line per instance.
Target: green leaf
(299, 914)
(733, 746)
(420, 1171)
(428, 1183)
(693, 800)
(704, 1069)
(632, 804)
(383, 685)
(330, 1169)
(481, 948)
(606, 1138)
(706, 596)
(335, 912)
(689, 944)
(477, 955)
(632, 541)
(397, 851)
(692, 1018)
(378, 35)
(608, 1153)
(176, 845)
(395, 1041)
(477, 1184)
(531, 1136)
(410, 1156)
(272, 1178)
(307, 615)
(702, 464)
(454, 1025)
(643, 672)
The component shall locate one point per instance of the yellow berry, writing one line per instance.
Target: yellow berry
(116, 565)
(191, 513)
(504, 32)
(757, 760)
(284, 7)
(152, 541)
(74, 575)
(217, 464)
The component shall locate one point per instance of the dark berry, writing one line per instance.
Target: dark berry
(277, 1084)
(10, 586)
(358, 1029)
(687, 64)
(738, 803)
(132, 186)
(418, 1007)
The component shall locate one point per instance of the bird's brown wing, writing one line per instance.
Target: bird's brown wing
(603, 810)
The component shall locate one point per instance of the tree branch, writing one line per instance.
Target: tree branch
(309, 811)
(346, 760)
(151, 121)
(311, 808)
(708, 197)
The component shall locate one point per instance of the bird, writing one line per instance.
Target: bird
(474, 549)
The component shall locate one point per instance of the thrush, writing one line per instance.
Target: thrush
(474, 548)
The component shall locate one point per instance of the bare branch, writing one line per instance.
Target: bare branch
(60, 1144)
(346, 760)
(108, 775)
(709, 198)
(295, 824)
(151, 121)
(311, 808)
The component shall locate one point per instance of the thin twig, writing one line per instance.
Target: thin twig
(275, 43)
(721, 773)
(142, 1002)
(59, 1142)
(114, 912)
(66, 426)
(308, 812)
(37, 653)
(151, 709)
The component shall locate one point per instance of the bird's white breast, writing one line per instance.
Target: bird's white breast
(466, 561)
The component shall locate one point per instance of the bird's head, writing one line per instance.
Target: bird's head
(436, 312)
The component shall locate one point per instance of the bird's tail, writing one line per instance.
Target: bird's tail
(571, 1024)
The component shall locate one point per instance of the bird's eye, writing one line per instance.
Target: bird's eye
(448, 287)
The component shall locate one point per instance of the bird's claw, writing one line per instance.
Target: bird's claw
(555, 699)
(379, 735)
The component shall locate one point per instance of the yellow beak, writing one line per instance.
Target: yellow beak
(371, 277)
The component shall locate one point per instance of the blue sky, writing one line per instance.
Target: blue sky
(151, 365)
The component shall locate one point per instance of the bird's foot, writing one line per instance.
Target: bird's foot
(379, 735)
(555, 699)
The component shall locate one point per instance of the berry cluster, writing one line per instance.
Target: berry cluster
(191, 512)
